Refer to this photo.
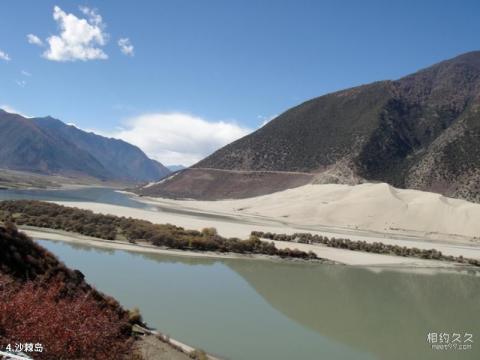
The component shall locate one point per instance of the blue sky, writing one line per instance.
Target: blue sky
(205, 72)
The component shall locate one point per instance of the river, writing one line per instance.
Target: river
(256, 309)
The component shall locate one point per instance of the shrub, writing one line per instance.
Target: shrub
(67, 327)
(375, 247)
(198, 355)
(42, 214)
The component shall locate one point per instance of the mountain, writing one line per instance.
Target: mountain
(48, 146)
(421, 132)
(116, 156)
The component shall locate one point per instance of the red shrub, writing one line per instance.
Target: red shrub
(69, 327)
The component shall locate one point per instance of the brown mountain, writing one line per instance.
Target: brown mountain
(48, 146)
(421, 131)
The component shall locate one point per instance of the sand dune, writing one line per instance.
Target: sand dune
(372, 207)
(369, 212)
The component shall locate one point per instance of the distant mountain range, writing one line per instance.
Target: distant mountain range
(48, 146)
(421, 131)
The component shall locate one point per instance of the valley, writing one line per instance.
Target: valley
(332, 230)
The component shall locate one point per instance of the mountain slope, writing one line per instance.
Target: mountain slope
(421, 131)
(40, 297)
(26, 147)
(48, 146)
(118, 157)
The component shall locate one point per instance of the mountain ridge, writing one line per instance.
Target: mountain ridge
(49, 146)
(421, 131)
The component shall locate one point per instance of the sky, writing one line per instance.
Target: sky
(182, 78)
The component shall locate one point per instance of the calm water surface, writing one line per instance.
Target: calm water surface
(246, 309)
(252, 309)
(91, 194)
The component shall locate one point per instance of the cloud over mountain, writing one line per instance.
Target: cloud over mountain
(178, 138)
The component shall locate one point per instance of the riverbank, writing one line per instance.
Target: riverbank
(332, 255)
(231, 225)
(281, 302)
(369, 208)
(141, 247)
(153, 345)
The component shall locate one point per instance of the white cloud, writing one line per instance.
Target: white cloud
(26, 73)
(126, 46)
(79, 39)
(4, 56)
(21, 83)
(93, 16)
(178, 138)
(34, 39)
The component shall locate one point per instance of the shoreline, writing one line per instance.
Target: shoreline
(74, 238)
(237, 225)
(328, 255)
(223, 208)
(175, 344)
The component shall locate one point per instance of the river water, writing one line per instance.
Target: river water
(256, 309)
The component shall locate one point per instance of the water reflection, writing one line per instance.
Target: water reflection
(388, 314)
(226, 305)
(160, 258)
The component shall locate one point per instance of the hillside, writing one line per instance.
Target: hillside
(44, 302)
(214, 184)
(420, 132)
(48, 146)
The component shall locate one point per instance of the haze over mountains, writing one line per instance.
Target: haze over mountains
(421, 132)
(48, 146)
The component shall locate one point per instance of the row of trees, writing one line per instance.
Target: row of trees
(375, 247)
(109, 227)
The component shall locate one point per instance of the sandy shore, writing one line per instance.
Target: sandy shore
(375, 208)
(201, 214)
(59, 235)
(340, 256)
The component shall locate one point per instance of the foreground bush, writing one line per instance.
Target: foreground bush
(44, 302)
(67, 327)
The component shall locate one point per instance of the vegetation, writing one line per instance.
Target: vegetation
(198, 355)
(375, 247)
(44, 302)
(109, 227)
(67, 327)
